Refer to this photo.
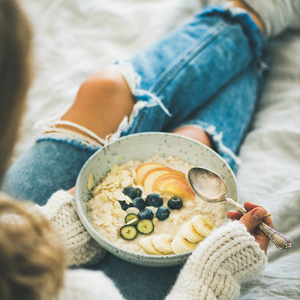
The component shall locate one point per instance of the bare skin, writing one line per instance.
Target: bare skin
(253, 14)
(101, 103)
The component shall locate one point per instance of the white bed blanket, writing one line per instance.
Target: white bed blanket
(75, 38)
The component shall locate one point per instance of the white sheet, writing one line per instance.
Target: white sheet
(74, 38)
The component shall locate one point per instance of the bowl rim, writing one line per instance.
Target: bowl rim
(107, 244)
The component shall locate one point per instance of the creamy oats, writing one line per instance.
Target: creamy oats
(107, 215)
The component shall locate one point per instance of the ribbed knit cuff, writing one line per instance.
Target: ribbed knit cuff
(81, 248)
(219, 264)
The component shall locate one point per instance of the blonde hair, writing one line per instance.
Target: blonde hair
(15, 62)
(32, 258)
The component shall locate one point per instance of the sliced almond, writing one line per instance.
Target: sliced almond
(114, 170)
(117, 204)
(107, 207)
(90, 182)
(119, 212)
(107, 218)
(127, 181)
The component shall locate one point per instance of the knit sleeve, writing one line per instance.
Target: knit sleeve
(277, 15)
(84, 284)
(81, 248)
(219, 264)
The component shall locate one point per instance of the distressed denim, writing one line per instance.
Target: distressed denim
(208, 73)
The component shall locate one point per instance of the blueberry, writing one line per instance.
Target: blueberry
(175, 203)
(154, 200)
(162, 213)
(124, 205)
(130, 192)
(139, 203)
(138, 192)
(146, 213)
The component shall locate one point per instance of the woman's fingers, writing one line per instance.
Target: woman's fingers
(72, 191)
(251, 219)
(234, 215)
(249, 206)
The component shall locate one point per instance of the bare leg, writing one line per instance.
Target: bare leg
(105, 98)
(253, 14)
(194, 133)
(101, 103)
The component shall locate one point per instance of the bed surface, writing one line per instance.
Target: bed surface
(74, 39)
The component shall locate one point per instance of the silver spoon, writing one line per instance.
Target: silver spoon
(211, 187)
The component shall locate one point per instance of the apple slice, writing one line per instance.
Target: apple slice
(151, 176)
(180, 188)
(161, 182)
(177, 173)
(143, 169)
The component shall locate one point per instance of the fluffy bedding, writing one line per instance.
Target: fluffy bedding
(75, 38)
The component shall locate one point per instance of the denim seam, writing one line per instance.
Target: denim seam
(256, 38)
(186, 57)
(177, 67)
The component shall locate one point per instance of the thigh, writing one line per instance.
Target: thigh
(181, 72)
(48, 166)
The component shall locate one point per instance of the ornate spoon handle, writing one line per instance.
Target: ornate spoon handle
(280, 241)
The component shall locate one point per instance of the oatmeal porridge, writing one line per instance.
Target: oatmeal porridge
(148, 207)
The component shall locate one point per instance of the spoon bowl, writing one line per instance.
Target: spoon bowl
(207, 185)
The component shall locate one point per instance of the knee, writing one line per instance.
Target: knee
(195, 133)
(103, 86)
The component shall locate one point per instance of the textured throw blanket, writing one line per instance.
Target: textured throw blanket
(75, 38)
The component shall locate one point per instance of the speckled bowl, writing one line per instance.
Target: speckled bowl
(142, 147)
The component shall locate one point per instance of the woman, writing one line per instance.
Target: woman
(62, 203)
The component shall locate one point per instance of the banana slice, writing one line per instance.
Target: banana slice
(162, 243)
(189, 233)
(147, 244)
(203, 225)
(181, 245)
(132, 210)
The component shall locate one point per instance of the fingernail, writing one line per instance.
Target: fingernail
(258, 214)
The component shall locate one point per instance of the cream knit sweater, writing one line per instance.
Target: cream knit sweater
(219, 264)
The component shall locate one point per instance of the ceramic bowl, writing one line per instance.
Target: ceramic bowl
(142, 147)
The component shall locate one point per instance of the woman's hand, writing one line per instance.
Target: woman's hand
(251, 220)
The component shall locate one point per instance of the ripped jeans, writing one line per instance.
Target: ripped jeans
(208, 73)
